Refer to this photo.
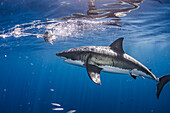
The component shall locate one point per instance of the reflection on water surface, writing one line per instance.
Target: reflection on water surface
(77, 24)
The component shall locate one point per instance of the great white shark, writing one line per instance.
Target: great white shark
(112, 59)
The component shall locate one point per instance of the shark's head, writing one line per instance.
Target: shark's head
(62, 54)
(67, 54)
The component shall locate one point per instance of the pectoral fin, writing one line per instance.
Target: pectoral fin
(132, 75)
(94, 73)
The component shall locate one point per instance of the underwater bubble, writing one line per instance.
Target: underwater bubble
(4, 90)
(152, 110)
(51, 89)
(31, 64)
(20, 105)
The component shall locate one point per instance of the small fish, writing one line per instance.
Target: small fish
(71, 111)
(55, 104)
(58, 109)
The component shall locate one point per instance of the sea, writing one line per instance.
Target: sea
(34, 80)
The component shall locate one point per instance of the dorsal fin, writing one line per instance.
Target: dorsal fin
(117, 45)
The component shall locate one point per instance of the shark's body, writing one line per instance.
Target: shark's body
(109, 59)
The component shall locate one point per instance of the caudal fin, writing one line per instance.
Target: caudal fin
(162, 81)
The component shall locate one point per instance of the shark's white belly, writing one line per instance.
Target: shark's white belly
(112, 69)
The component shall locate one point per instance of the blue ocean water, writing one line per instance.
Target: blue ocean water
(34, 80)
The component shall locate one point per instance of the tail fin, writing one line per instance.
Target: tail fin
(162, 81)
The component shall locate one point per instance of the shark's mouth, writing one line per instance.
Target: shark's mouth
(75, 62)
